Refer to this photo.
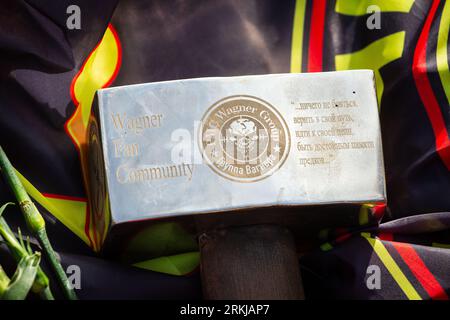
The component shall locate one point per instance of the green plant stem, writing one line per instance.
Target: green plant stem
(12, 179)
(46, 294)
(34, 220)
(51, 256)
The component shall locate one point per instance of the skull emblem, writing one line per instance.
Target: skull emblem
(243, 133)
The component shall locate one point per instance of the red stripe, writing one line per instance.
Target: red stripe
(63, 197)
(315, 51)
(420, 271)
(386, 236)
(379, 210)
(343, 237)
(426, 92)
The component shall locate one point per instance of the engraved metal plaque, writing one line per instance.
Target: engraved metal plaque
(221, 144)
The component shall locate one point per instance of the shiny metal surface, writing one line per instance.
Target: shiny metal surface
(283, 139)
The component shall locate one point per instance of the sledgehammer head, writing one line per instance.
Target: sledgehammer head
(223, 145)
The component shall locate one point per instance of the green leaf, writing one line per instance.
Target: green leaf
(28, 248)
(19, 252)
(4, 281)
(23, 278)
(3, 207)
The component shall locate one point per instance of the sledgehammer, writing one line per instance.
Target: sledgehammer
(254, 165)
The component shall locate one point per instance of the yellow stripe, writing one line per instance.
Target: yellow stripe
(374, 56)
(71, 213)
(392, 267)
(441, 245)
(441, 52)
(297, 36)
(178, 265)
(98, 70)
(364, 213)
(359, 7)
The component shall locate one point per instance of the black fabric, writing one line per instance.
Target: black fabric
(164, 40)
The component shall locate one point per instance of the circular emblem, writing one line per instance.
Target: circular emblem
(244, 138)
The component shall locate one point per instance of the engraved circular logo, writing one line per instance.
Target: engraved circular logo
(244, 138)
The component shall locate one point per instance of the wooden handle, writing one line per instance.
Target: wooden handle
(250, 262)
